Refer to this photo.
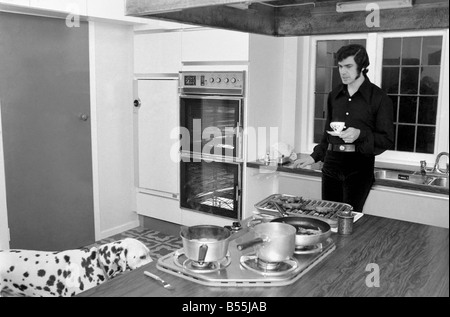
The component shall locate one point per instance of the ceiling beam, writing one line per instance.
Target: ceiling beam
(325, 20)
(223, 17)
(298, 19)
(150, 7)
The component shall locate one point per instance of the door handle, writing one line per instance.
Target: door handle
(84, 117)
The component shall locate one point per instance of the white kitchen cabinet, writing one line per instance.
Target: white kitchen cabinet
(260, 183)
(157, 53)
(158, 160)
(158, 127)
(73, 6)
(212, 45)
(163, 208)
(110, 9)
(421, 207)
(300, 185)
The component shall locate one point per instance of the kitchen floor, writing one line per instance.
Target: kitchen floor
(159, 243)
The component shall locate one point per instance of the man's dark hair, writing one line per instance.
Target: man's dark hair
(358, 52)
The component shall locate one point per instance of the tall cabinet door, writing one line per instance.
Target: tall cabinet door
(45, 105)
(158, 136)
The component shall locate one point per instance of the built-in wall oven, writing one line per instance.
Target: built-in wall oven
(211, 122)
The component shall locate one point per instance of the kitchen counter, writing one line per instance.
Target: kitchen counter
(413, 260)
(314, 170)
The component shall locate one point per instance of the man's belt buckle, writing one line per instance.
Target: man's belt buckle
(342, 147)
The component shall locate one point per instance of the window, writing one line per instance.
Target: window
(410, 76)
(411, 67)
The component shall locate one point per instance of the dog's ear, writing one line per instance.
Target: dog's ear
(122, 259)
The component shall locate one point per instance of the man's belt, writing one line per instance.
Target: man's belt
(342, 147)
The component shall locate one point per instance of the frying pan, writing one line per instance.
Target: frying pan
(307, 223)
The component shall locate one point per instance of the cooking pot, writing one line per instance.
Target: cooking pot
(275, 242)
(205, 243)
(306, 228)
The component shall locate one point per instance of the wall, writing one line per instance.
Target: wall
(265, 94)
(112, 117)
(4, 231)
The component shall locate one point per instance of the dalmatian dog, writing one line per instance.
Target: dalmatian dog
(68, 273)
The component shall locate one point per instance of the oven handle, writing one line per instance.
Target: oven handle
(221, 97)
(210, 157)
(239, 131)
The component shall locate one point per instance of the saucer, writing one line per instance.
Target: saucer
(333, 133)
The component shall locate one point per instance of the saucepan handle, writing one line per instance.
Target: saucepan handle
(202, 253)
(251, 243)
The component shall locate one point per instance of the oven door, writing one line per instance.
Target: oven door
(211, 185)
(212, 125)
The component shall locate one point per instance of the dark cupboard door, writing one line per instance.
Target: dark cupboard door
(45, 104)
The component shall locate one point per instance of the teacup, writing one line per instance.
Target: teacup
(337, 126)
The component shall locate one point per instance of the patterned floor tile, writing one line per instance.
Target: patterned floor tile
(159, 244)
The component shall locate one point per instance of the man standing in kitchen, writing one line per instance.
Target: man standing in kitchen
(367, 114)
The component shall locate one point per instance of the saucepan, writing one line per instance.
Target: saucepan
(274, 242)
(309, 231)
(205, 243)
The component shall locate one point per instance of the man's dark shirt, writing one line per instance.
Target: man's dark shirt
(369, 109)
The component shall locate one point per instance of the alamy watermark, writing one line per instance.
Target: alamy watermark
(215, 141)
(373, 18)
(373, 278)
(73, 18)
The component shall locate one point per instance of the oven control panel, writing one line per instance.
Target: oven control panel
(212, 80)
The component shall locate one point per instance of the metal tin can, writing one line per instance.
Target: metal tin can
(345, 222)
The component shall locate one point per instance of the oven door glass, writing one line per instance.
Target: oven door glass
(213, 125)
(211, 186)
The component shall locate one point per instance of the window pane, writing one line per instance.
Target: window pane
(425, 139)
(391, 51)
(390, 80)
(427, 110)
(409, 80)
(407, 110)
(325, 55)
(323, 80)
(405, 138)
(432, 50)
(411, 50)
(320, 106)
(395, 107)
(319, 128)
(429, 80)
(336, 78)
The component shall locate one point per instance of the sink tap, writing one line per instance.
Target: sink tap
(437, 168)
(423, 168)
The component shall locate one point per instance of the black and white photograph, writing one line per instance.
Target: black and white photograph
(231, 155)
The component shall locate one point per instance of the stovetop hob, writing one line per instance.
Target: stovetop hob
(241, 269)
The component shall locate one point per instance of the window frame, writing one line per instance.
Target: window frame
(374, 46)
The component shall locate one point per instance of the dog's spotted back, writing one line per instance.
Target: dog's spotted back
(68, 273)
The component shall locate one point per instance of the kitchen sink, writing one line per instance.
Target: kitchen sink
(403, 176)
(412, 177)
(439, 181)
